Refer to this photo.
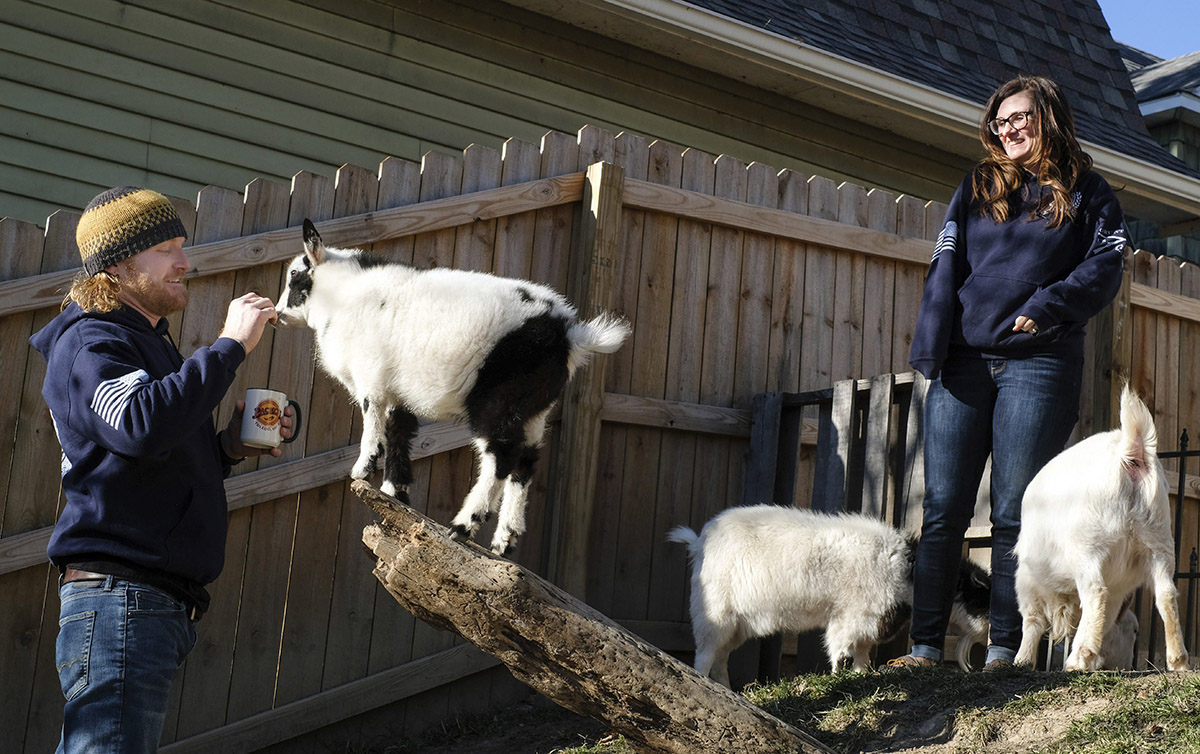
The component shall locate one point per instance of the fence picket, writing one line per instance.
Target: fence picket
(204, 683)
(327, 425)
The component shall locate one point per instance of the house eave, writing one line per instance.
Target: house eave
(760, 58)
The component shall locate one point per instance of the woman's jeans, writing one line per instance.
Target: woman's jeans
(1021, 411)
(120, 645)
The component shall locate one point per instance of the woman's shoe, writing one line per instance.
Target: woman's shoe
(909, 662)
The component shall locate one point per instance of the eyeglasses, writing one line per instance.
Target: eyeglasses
(1017, 120)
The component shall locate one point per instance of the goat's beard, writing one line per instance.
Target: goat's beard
(152, 295)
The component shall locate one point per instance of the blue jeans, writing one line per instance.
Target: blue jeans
(1021, 412)
(120, 645)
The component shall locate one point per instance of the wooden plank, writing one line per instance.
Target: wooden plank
(1146, 296)
(29, 494)
(1167, 378)
(474, 243)
(1145, 330)
(913, 219)
(575, 488)
(199, 697)
(632, 154)
(649, 368)
(834, 453)
(906, 511)
(211, 258)
(718, 466)
(816, 230)
(880, 286)
(790, 286)
(788, 296)
(877, 449)
(819, 275)
(754, 318)
(343, 702)
(849, 290)
(676, 494)
(22, 244)
(439, 482)
(762, 460)
(554, 225)
(327, 427)
(514, 233)
(272, 524)
(352, 605)
(393, 626)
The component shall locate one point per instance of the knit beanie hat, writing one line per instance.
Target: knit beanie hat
(122, 222)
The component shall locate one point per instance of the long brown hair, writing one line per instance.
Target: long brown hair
(94, 293)
(1058, 160)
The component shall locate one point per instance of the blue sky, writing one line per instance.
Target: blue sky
(1166, 28)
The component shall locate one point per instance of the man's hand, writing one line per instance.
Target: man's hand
(246, 319)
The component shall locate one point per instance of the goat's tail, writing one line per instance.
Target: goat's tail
(1139, 438)
(603, 334)
(684, 536)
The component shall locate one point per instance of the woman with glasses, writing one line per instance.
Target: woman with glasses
(1031, 249)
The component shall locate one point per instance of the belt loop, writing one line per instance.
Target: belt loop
(110, 583)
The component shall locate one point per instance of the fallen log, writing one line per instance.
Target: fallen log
(561, 647)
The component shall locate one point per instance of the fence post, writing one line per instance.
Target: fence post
(1113, 364)
(573, 480)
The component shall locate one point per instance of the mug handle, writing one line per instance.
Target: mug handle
(299, 421)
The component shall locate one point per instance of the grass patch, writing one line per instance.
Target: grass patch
(1011, 710)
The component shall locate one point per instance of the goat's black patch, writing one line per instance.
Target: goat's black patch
(300, 285)
(399, 430)
(524, 294)
(366, 260)
(974, 587)
(522, 377)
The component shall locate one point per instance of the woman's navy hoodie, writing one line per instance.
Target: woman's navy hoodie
(985, 274)
(142, 470)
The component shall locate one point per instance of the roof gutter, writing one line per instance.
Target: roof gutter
(700, 37)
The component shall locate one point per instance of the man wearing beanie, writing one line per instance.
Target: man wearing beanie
(142, 531)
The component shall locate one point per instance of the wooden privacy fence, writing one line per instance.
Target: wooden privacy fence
(738, 279)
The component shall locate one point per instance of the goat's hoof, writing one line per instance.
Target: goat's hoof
(363, 469)
(1177, 664)
(459, 533)
(503, 550)
(400, 493)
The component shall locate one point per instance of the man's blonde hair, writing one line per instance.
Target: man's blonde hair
(95, 293)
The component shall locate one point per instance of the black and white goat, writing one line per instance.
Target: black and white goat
(444, 345)
(758, 570)
(1095, 525)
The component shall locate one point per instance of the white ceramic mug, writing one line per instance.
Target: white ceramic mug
(264, 416)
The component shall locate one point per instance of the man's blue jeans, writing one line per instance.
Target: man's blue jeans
(1021, 411)
(120, 645)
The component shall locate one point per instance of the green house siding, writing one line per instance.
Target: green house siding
(182, 94)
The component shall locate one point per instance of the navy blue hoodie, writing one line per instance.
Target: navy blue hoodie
(984, 274)
(142, 470)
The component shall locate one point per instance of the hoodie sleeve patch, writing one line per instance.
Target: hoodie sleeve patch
(112, 397)
(947, 240)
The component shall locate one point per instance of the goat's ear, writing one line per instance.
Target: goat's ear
(314, 247)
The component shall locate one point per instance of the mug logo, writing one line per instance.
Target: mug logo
(267, 413)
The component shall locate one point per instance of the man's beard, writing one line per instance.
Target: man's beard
(153, 295)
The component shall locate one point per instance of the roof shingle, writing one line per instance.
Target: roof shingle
(948, 46)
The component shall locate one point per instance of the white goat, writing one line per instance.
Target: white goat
(1095, 525)
(444, 345)
(762, 569)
